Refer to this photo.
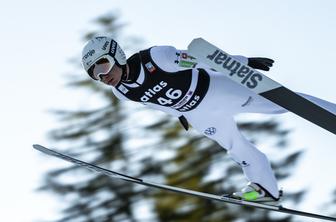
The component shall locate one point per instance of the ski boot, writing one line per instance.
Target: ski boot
(256, 193)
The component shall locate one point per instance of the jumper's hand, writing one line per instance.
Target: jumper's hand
(184, 122)
(260, 63)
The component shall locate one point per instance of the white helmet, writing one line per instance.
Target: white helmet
(102, 47)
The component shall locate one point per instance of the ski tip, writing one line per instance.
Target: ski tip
(35, 146)
(38, 147)
(44, 149)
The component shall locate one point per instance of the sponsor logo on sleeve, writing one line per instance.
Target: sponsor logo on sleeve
(210, 131)
(185, 60)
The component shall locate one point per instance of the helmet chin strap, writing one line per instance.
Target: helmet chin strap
(124, 73)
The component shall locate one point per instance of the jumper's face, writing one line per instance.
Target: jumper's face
(106, 71)
(113, 77)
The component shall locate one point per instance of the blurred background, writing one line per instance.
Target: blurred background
(47, 98)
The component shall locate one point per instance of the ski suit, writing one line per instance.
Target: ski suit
(172, 81)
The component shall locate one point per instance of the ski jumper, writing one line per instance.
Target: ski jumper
(170, 80)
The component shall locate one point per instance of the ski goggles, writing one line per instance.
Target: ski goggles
(101, 67)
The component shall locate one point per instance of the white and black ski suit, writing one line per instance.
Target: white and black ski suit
(170, 80)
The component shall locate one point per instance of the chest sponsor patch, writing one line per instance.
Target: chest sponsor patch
(123, 89)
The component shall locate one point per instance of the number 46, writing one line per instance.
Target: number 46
(171, 94)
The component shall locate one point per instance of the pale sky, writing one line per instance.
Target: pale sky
(39, 37)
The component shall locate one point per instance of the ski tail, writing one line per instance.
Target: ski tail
(302, 107)
(305, 214)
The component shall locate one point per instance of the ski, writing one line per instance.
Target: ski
(248, 77)
(177, 189)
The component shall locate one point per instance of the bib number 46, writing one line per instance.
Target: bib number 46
(171, 95)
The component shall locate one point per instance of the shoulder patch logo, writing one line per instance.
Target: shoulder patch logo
(150, 67)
